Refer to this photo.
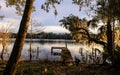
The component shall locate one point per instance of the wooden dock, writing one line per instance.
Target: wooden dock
(66, 56)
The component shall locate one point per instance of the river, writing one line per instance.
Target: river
(41, 49)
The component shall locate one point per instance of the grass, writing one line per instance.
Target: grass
(56, 68)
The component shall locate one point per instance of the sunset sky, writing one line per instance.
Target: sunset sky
(48, 20)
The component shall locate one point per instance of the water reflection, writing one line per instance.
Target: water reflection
(44, 49)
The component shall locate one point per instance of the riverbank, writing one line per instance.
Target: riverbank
(56, 68)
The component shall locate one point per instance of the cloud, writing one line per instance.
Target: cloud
(55, 29)
(42, 17)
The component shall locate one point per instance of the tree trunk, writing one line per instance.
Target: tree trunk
(109, 38)
(18, 46)
(30, 49)
(2, 53)
(110, 41)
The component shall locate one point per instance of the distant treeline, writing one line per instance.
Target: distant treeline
(46, 36)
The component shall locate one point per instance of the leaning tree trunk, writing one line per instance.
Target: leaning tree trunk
(18, 46)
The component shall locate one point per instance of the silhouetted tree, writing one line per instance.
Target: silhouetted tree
(79, 28)
(108, 9)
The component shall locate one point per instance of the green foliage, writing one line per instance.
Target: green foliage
(15, 2)
(102, 8)
(109, 8)
(79, 29)
(73, 23)
(82, 3)
(19, 4)
(50, 3)
(93, 23)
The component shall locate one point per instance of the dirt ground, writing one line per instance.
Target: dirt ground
(57, 68)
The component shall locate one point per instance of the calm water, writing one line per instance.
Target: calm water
(44, 48)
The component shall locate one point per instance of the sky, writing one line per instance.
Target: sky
(41, 17)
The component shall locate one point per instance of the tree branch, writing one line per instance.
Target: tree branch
(90, 38)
